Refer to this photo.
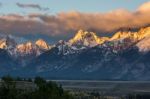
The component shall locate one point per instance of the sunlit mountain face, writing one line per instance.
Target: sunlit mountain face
(75, 43)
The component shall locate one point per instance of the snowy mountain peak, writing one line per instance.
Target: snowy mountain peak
(7, 43)
(125, 35)
(26, 48)
(85, 38)
(29, 44)
(10, 41)
(144, 45)
(144, 32)
(42, 44)
(31, 48)
(133, 36)
(3, 44)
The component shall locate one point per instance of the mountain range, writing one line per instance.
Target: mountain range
(124, 56)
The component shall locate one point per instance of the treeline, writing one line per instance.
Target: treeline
(43, 90)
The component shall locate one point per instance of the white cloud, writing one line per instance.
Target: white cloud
(144, 7)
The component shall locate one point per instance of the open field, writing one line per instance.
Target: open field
(106, 87)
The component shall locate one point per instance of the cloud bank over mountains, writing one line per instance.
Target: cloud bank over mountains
(66, 23)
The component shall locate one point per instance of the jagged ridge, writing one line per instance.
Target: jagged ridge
(86, 54)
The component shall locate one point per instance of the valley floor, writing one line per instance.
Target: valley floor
(107, 89)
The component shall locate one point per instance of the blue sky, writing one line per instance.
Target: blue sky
(56, 6)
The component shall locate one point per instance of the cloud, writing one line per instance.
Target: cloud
(144, 7)
(65, 24)
(35, 6)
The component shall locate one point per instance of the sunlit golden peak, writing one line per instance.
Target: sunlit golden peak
(87, 38)
(42, 44)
